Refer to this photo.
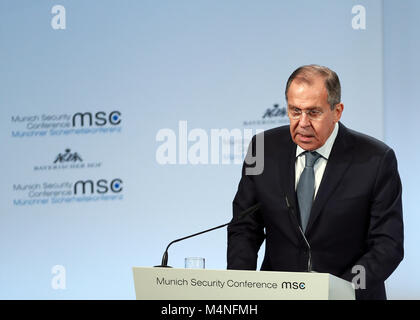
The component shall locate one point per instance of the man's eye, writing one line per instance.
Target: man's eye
(315, 112)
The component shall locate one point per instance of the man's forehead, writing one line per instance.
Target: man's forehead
(313, 81)
(300, 92)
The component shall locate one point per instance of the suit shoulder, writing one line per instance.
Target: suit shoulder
(368, 143)
(277, 134)
(274, 140)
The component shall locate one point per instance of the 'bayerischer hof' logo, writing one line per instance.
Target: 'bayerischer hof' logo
(271, 116)
(67, 160)
(68, 156)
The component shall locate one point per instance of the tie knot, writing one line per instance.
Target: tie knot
(311, 157)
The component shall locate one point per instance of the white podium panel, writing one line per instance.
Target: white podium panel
(200, 284)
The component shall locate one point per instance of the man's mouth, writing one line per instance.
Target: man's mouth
(305, 137)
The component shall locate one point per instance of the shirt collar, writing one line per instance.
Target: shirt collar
(325, 150)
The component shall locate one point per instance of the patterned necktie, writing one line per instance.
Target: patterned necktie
(306, 187)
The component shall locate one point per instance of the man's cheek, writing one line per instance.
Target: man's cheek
(293, 127)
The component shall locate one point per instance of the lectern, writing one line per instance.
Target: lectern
(201, 284)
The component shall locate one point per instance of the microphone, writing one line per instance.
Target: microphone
(244, 213)
(292, 212)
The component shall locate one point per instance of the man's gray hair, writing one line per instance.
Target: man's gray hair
(307, 74)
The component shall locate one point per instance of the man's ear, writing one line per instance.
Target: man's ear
(339, 107)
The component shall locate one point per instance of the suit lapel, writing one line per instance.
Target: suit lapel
(338, 162)
(289, 186)
(287, 169)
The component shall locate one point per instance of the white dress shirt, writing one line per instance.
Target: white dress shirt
(321, 163)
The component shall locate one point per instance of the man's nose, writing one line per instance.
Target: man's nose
(304, 120)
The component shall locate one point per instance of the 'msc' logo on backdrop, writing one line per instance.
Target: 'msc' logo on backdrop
(100, 186)
(41, 125)
(66, 192)
(99, 119)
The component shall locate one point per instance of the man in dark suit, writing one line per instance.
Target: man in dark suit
(339, 187)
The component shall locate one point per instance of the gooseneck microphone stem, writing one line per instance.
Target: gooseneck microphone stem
(292, 212)
(165, 255)
(250, 210)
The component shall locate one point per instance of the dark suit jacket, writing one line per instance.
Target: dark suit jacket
(356, 217)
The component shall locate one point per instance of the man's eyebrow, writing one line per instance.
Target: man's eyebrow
(311, 107)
